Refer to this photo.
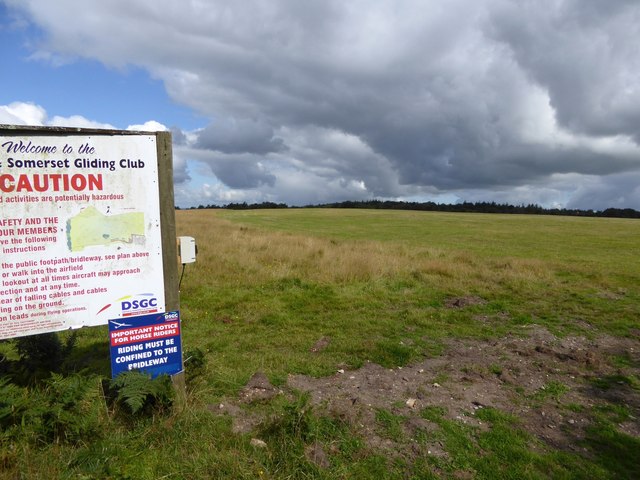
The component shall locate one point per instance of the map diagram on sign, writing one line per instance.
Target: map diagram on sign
(92, 228)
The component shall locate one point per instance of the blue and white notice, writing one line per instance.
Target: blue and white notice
(148, 343)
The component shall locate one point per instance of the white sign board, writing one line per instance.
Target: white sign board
(80, 239)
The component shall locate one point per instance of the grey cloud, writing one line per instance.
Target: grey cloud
(584, 53)
(333, 154)
(178, 137)
(616, 191)
(180, 168)
(239, 136)
(239, 173)
(236, 171)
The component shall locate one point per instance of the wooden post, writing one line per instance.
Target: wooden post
(168, 233)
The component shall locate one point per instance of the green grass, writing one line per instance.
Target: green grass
(390, 425)
(565, 268)
(376, 283)
(581, 243)
(502, 449)
(552, 390)
(268, 284)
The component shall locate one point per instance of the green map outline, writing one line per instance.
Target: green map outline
(92, 228)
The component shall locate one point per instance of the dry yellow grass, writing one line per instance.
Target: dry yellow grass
(236, 254)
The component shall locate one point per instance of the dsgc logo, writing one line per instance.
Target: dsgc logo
(139, 304)
(171, 316)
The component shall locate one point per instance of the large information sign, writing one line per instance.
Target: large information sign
(149, 343)
(80, 239)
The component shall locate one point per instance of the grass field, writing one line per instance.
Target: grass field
(394, 289)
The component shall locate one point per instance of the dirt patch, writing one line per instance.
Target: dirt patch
(320, 345)
(551, 384)
(258, 388)
(461, 302)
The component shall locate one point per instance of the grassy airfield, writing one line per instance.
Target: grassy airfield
(389, 288)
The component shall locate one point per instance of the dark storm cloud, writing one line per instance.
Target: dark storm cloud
(390, 98)
(239, 136)
(584, 53)
(240, 173)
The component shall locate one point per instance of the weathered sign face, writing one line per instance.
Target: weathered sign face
(80, 238)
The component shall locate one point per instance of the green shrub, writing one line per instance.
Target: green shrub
(137, 394)
(71, 410)
(40, 355)
(60, 409)
(14, 404)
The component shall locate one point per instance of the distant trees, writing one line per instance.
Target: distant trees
(254, 206)
(620, 213)
(468, 207)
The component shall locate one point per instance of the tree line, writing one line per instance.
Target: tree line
(466, 207)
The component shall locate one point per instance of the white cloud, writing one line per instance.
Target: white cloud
(25, 113)
(77, 121)
(20, 113)
(150, 126)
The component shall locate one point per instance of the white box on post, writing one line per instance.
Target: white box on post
(188, 249)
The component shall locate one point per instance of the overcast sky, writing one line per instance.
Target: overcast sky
(302, 102)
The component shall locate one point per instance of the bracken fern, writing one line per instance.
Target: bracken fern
(139, 394)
